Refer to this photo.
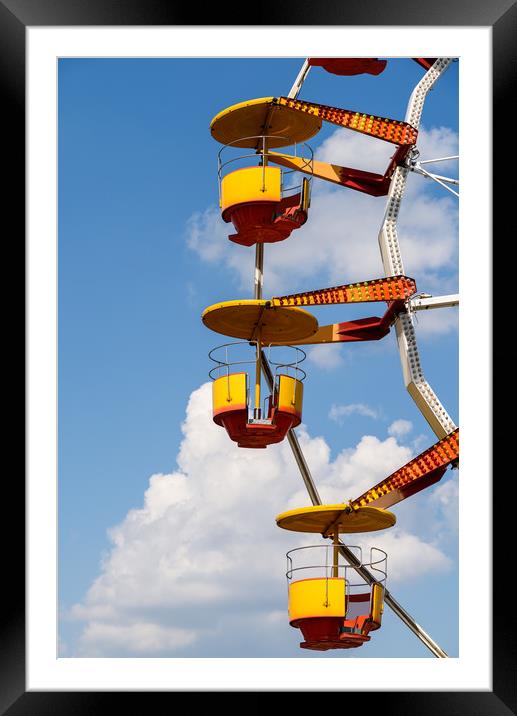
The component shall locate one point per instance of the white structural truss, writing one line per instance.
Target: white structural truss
(415, 382)
(423, 302)
(302, 76)
(416, 165)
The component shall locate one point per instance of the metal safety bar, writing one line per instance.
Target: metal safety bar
(329, 567)
(225, 364)
(307, 166)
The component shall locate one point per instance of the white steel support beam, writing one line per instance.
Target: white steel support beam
(418, 169)
(302, 75)
(419, 94)
(416, 384)
(443, 181)
(439, 159)
(309, 482)
(423, 303)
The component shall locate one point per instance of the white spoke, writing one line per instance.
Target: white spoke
(449, 180)
(423, 303)
(441, 159)
(302, 75)
(435, 178)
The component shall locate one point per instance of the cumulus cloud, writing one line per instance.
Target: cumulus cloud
(444, 500)
(409, 557)
(356, 469)
(337, 413)
(139, 639)
(436, 321)
(198, 569)
(351, 149)
(325, 356)
(435, 143)
(338, 244)
(399, 428)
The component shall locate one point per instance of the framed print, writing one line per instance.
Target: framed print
(50, 53)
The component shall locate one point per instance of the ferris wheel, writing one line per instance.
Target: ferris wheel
(336, 591)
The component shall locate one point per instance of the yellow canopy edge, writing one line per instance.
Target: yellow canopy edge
(246, 318)
(326, 519)
(242, 123)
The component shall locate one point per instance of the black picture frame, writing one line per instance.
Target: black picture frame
(15, 16)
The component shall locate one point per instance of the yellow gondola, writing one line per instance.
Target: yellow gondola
(332, 605)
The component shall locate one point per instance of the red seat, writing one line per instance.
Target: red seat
(326, 645)
(349, 65)
(256, 435)
(265, 222)
(324, 633)
(320, 633)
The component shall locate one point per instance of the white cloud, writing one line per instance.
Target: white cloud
(420, 443)
(436, 321)
(409, 557)
(357, 469)
(139, 639)
(444, 499)
(359, 151)
(62, 647)
(339, 412)
(325, 356)
(206, 233)
(428, 234)
(399, 428)
(203, 557)
(435, 143)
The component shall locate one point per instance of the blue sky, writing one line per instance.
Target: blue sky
(142, 251)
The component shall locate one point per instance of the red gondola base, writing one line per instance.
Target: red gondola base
(265, 222)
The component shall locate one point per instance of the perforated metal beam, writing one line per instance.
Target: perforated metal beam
(414, 379)
(411, 623)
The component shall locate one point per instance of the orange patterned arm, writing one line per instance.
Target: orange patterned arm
(424, 470)
(391, 130)
(392, 288)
